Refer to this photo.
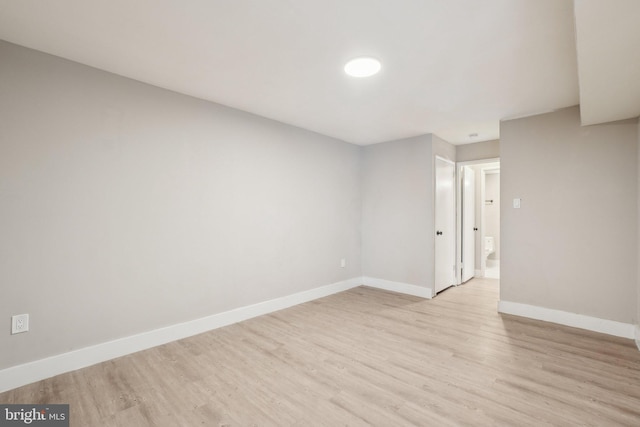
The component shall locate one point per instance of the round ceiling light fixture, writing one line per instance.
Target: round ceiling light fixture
(362, 67)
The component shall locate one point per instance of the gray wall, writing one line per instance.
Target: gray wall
(572, 245)
(478, 151)
(126, 208)
(442, 148)
(396, 208)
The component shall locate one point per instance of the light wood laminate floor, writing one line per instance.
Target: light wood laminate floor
(364, 357)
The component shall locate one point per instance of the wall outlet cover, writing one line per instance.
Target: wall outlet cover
(19, 323)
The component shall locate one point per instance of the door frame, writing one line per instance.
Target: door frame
(480, 235)
(463, 263)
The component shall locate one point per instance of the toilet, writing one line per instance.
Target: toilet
(489, 246)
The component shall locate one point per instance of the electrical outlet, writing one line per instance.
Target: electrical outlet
(19, 323)
(343, 262)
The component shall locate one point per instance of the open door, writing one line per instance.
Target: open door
(468, 223)
(445, 222)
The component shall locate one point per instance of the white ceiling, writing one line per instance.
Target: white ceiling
(450, 67)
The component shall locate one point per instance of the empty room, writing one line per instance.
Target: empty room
(319, 213)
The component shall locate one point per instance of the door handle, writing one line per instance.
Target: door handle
(475, 228)
(438, 233)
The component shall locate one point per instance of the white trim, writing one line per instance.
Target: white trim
(483, 197)
(638, 336)
(27, 373)
(459, 194)
(403, 288)
(605, 326)
(444, 159)
(479, 161)
(478, 273)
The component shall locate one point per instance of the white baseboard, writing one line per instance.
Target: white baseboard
(638, 336)
(610, 327)
(403, 288)
(478, 273)
(27, 373)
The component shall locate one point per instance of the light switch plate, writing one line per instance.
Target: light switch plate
(516, 203)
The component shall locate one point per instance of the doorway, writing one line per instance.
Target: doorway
(490, 217)
(478, 220)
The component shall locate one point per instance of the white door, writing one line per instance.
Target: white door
(468, 223)
(445, 215)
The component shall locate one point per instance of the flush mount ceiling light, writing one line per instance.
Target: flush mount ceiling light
(362, 67)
